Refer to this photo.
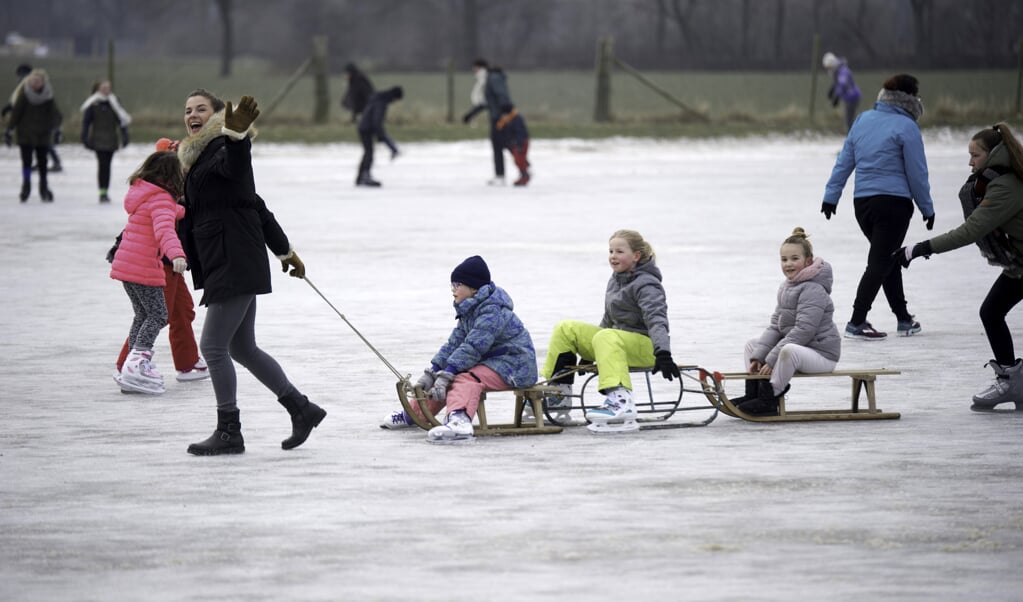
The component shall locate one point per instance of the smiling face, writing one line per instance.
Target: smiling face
(621, 257)
(198, 110)
(104, 88)
(978, 156)
(793, 259)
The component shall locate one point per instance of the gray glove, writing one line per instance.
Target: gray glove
(425, 381)
(440, 386)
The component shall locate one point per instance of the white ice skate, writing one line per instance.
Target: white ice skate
(197, 372)
(456, 429)
(617, 415)
(120, 383)
(559, 405)
(1007, 387)
(139, 375)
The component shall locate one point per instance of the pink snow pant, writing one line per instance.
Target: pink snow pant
(465, 391)
(791, 359)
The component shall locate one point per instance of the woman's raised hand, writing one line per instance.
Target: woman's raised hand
(239, 119)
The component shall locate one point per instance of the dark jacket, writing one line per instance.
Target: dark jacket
(372, 120)
(34, 123)
(496, 93)
(358, 92)
(227, 226)
(101, 128)
(513, 129)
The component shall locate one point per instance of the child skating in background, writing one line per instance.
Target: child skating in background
(180, 315)
(633, 332)
(149, 236)
(488, 350)
(515, 138)
(802, 336)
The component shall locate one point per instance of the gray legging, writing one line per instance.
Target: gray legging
(229, 332)
(150, 314)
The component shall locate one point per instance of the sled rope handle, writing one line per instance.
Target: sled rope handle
(405, 378)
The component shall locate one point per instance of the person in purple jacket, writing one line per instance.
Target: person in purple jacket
(886, 150)
(843, 88)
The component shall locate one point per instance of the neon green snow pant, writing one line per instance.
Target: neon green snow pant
(614, 351)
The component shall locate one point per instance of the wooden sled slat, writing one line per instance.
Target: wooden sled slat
(862, 381)
(426, 420)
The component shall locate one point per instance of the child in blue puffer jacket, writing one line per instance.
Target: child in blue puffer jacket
(488, 350)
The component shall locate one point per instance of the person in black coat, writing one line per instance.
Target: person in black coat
(358, 92)
(371, 125)
(490, 93)
(226, 230)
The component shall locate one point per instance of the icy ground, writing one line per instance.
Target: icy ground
(99, 501)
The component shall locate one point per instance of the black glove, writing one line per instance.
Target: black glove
(665, 365)
(828, 210)
(834, 101)
(930, 222)
(831, 93)
(58, 136)
(124, 137)
(239, 119)
(907, 254)
(8, 137)
(467, 117)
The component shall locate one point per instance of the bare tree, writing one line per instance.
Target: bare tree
(470, 30)
(227, 36)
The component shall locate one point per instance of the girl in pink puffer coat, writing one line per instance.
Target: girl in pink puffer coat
(150, 235)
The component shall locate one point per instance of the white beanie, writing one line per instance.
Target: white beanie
(830, 61)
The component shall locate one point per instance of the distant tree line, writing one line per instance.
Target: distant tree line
(541, 34)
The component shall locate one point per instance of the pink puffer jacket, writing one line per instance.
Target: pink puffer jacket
(149, 235)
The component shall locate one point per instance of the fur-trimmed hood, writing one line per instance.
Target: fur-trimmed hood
(901, 100)
(191, 147)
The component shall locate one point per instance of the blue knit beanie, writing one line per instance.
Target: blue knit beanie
(473, 272)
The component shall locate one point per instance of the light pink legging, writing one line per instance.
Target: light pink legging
(465, 391)
(791, 359)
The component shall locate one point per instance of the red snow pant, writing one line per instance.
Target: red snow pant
(180, 314)
(519, 154)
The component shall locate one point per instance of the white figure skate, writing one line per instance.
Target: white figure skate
(617, 415)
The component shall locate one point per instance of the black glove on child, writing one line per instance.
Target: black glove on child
(239, 119)
(828, 210)
(907, 254)
(930, 222)
(666, 366)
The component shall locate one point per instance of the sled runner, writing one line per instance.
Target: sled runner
(414, 398)
(862, 381)
(656, 408)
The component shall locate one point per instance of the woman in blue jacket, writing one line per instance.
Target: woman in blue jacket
(886, 150)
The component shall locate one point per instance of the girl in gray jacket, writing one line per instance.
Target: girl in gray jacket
(802, 336)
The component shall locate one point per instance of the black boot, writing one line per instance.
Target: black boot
(26, 189)
(227, 439)
(44, 193)
(305, 416)
(766, 402)
(752, 387)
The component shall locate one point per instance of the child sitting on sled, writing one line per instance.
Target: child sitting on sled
(633, 332)
(488, 350)
(802, 336)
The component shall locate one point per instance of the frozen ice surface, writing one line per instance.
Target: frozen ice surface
(99, 501)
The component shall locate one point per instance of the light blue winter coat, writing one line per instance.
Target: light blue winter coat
(804, 316)
(886, 149)
(489, 333)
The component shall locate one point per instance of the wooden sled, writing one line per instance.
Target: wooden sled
(663, 401)
(424, 419)
(862, 380)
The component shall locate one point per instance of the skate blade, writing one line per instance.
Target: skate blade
(129, 387)
(456, 441)
(610, 428)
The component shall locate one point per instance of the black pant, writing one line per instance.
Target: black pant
(1005, 293)
(26, 163)
(367, 155)
(104, 158)
(884, 220)
(497, 142)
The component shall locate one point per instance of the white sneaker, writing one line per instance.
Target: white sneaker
(618, 407)
(140, 375)
(457, 429)
(397, 420)
(197, 372)
(559, 404)
(496, 181)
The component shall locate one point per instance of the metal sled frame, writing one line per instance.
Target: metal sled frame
(426, 420)
(862, 380)
(653, 413)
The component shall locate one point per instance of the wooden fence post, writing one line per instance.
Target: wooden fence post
(602, 106)
(814, 69)
(321, 92)
(450, 117)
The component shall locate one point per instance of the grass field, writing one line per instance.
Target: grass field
(555, 103)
